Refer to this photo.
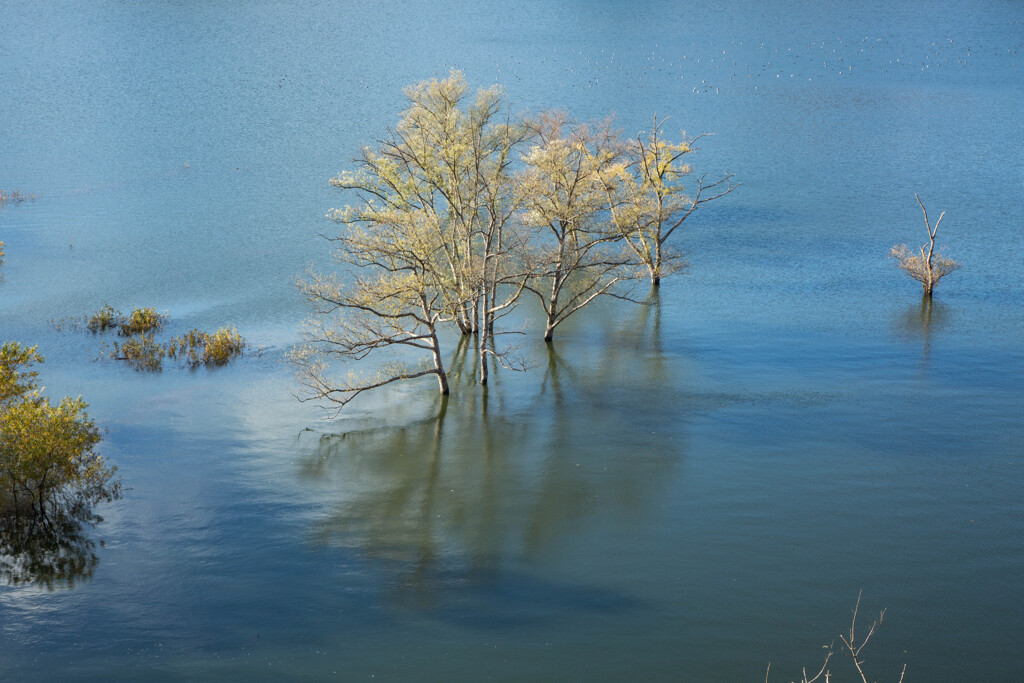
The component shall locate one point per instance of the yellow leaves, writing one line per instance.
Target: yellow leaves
(201, 348)
(45, 448)
(15, 379)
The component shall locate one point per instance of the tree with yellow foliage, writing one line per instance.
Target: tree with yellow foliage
(47, 452)
(577, 253)
(648, 200)
(428, 242)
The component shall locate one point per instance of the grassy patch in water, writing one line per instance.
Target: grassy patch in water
(142, 353)
(105, 318)
(200, 348)
(141, 321)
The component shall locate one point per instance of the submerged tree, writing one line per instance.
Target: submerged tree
(577, 255)
(47, 455)
(648, 199)
(927, 267)
(427, 243)
(50, 475)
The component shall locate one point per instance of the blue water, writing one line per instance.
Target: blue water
(685, 491)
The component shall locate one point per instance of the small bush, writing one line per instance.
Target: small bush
(927, 266)
(104, 319)
(222, 346)
(141, 321)
(200, 348)
(142, 353)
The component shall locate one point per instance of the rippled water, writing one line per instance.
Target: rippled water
(686, 491)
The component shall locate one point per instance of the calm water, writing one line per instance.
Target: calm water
(685, 491)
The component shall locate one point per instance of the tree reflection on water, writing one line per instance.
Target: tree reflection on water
(499, 480)
(924, 320)
(50, 551)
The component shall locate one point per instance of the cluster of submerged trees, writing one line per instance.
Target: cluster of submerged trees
(461, 209)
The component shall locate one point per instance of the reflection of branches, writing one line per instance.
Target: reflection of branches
(48, 550)
(924, 320)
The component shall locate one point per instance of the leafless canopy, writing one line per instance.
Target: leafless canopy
(926, 266)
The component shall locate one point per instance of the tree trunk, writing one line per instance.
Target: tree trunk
(442, 376)
(483, 347)
(552, 306)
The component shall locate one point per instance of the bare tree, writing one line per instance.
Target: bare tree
(927, 267)
(850, 647)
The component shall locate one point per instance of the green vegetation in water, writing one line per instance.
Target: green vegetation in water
(200, 348)
(50, 477)
(142, 353)
(141, 321)
(102, 320)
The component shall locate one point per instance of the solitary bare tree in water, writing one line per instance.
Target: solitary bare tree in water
(927, 267)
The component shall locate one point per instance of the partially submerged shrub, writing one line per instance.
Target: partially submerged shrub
(142, 353)
(926, 268)
(200, 348)
(222, 346)
(46, 451)
(104, 319)
(50, 477)
(141, 321)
